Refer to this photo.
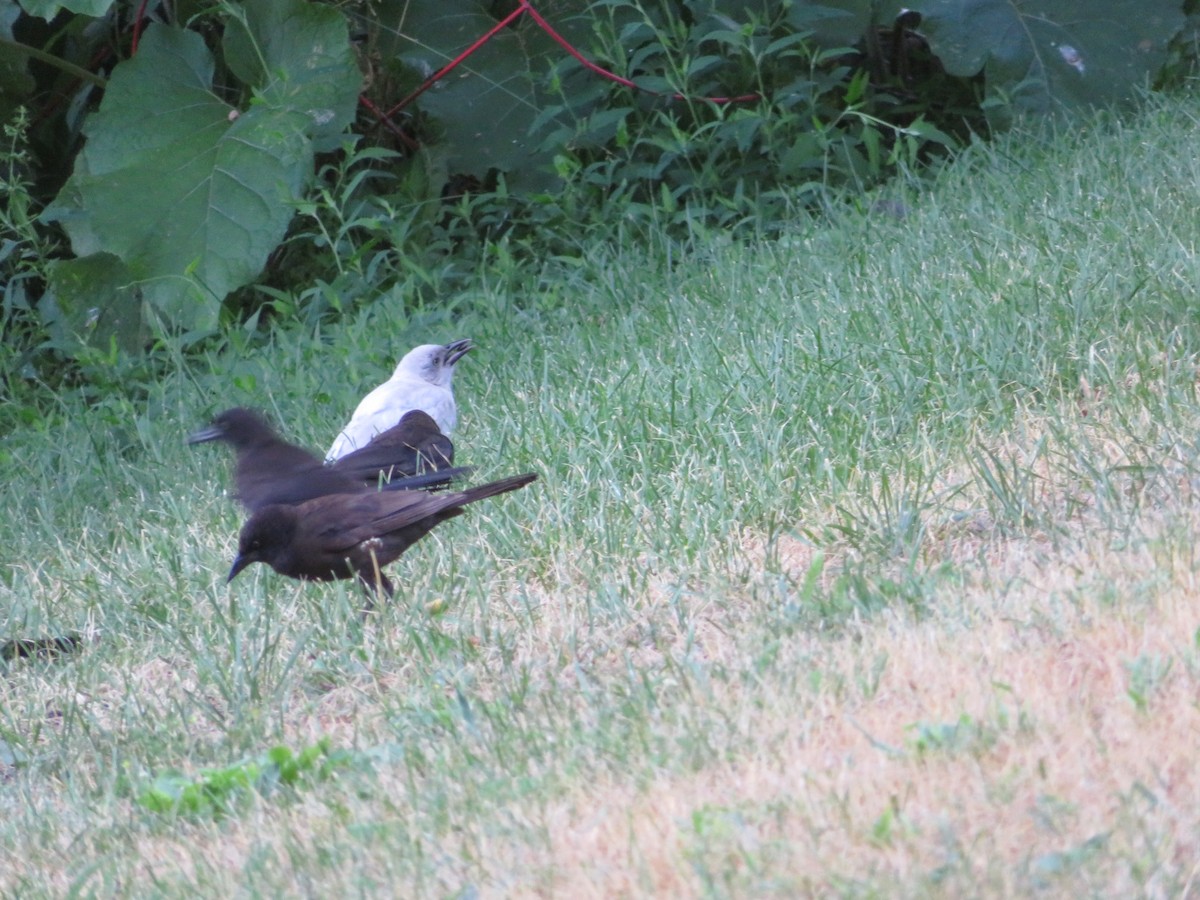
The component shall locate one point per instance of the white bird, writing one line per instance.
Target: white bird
(421, 381)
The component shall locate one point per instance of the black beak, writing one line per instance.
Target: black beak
(456, 350)
(238, 564)
(211, 433)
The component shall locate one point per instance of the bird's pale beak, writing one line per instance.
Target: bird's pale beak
(238, 564)
(456, 350)
(211, 433)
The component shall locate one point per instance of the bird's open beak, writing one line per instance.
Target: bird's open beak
(238, 564)
(211, 433)
(456, 350)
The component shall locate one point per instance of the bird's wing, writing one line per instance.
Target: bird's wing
(418, 432)
(378, 411)
(414, 445)
(387, 404)
(414, 428)
(358, 433)
(392, 460)
(340, 522)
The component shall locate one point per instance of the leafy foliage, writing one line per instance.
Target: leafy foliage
(1074, 54)
(216, 128)
(478, 119)
(748, 117)
(212, 183)
(22, 248)
(217, 791)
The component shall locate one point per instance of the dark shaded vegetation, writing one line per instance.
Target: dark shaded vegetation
(364, 182)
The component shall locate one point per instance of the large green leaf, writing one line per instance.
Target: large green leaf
(486, 106)
(188, 192)
(842, 23)
(1053, 55)
(48, 9)
(90, 299)
(15, 81)
(297, 56)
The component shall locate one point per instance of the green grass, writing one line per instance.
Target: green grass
(835, 537)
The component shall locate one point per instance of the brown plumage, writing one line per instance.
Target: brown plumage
(412, 446)
(352, 535)
(269, 470)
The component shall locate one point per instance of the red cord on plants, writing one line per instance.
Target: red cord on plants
(458, 60)
(137, 27)
(612, 76)
(387, 122)
(524, 6)
(566, 45)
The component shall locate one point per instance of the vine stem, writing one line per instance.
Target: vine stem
(52, 60)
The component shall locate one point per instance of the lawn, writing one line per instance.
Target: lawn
(861, 563)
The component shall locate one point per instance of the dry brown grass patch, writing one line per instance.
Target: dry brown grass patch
(1055, 753)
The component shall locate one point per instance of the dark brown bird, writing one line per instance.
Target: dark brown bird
(412, 446)
(42, 648)
(269, 470)
(352, 535)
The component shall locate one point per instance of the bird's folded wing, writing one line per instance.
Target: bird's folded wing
(343, 521)
(418, 433)
(394, 459)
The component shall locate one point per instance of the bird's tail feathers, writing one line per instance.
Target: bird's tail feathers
(502, 486)
(436, 479)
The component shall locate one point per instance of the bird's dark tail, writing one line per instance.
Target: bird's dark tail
(435, 480)
(492, 488)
